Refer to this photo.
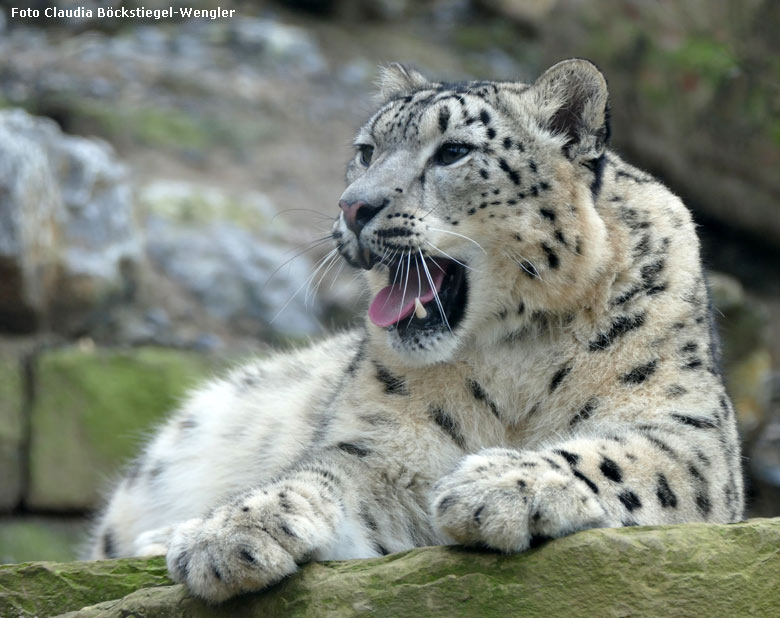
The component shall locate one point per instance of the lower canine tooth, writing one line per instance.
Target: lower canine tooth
(419, 310)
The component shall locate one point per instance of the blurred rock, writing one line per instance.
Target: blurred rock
(90, 411)
(280, 45)
(69, 244)
(12, 434)
(525, 12)
(747, 364)
(233, 257)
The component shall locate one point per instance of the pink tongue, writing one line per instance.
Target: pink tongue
(392, 305)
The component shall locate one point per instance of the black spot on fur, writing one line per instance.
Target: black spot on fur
(630, 500)
(484, 174)
(571, 458)
(694, 363)
(109, 545)
(513, 175)
(676, 390)
(611, 470)
(491, 132)
(448, 425)
(484, 116)
(666, 496)
(639, 373)
(699, 422)
(619, 327)
(367, 519)
(547, 213)
(703, 503)
(353, 449)
(444, 118)
(392, 383)
(559, 376)
(551, 463)
(591, 485)
(552, 257)
(584, 412)
(357, 358)
(478, 514)
(445, 503)
(507, 143)
(479, 394)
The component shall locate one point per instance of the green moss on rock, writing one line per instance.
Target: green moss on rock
(91, 411)
(670, 571)
(11, 430)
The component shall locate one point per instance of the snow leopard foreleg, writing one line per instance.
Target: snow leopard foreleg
(260, 536)
(654, 473)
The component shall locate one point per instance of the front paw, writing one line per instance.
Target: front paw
(506, 500)
(245, 546)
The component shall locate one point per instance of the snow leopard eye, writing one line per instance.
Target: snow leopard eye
(366, 153)
(449, 153)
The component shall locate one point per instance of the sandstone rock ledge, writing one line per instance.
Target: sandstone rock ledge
(686, 570)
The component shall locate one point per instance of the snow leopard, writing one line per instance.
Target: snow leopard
(537, 358)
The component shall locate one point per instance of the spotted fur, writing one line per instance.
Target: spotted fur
(578, 388)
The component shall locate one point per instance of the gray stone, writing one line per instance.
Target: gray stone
(233, 256)
(69, 242)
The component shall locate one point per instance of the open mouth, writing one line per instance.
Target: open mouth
(423, 294)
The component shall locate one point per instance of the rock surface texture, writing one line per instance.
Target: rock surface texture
(687, 570)
(68, 238)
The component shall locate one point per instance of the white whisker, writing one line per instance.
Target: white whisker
(449, 256)
(460, 236)
(435, 293)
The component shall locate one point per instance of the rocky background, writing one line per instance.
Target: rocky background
(164, 187)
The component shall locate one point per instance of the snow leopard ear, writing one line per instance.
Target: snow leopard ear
(571, 101)
(396, 79)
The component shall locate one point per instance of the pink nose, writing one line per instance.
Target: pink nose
(357, 214)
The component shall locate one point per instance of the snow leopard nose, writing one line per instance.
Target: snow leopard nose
(357, 214)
